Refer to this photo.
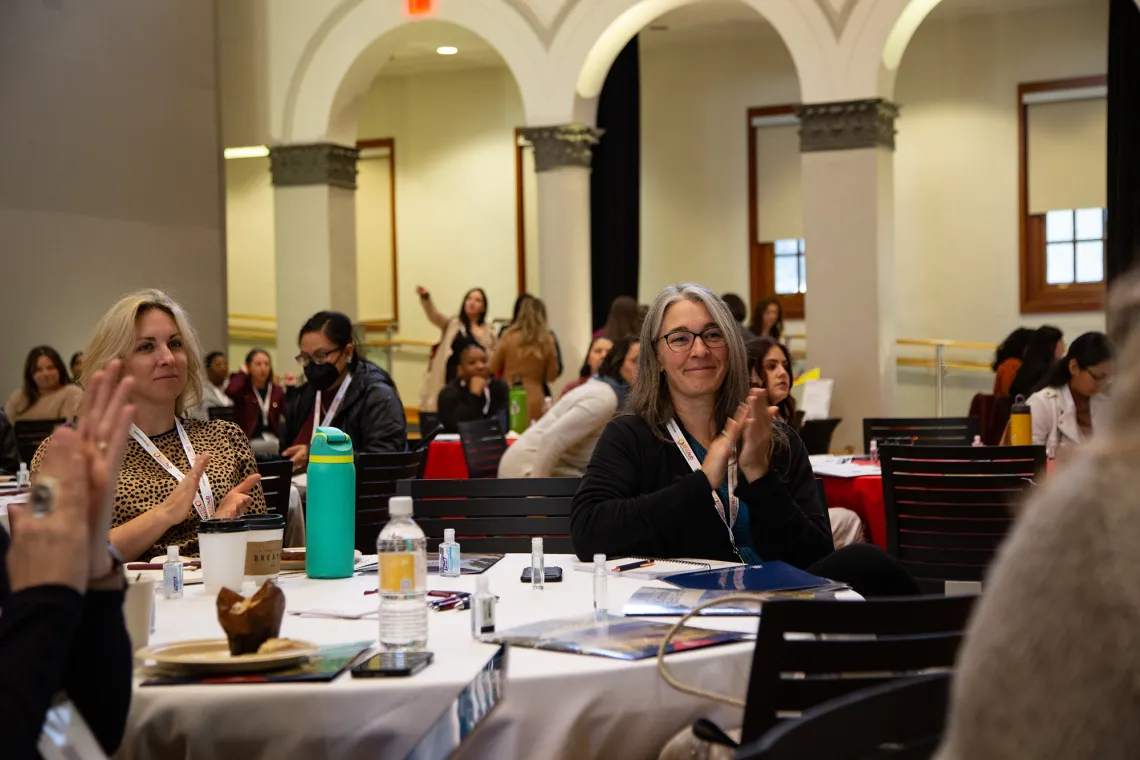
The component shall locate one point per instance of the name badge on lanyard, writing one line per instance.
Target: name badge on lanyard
(204, 497)
(695, 465)
(332, 408)
(263, 403)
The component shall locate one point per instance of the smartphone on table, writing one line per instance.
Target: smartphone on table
(392, 664)
(551, 574)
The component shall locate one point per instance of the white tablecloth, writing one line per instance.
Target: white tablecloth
(556, 706)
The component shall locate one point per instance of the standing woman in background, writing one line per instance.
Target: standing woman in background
(768, 320)
(47, 392)
(624, 319)
(258, 402)
(1045, 347)
(472, 321)
(526, 352)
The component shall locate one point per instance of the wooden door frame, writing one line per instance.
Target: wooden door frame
(390, 144)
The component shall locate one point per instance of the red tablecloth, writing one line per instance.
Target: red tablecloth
(864, 497)
(445, 460)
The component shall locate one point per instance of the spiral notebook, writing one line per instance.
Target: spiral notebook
(659, 569)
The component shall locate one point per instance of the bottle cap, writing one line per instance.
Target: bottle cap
(874, 445)
(23, 467)
(481, 583)
(400, 506)
(172, 553)
(599, 560)
(536, 544)
(449, 535)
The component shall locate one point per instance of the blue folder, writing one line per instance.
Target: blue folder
(768, 576)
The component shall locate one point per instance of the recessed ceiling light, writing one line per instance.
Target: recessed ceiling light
(447, 50)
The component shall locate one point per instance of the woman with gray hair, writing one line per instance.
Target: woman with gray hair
(669, 479)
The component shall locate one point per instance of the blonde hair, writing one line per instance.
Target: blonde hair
(531, 323)
(114, 338)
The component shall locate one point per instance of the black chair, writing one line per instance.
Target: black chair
(376, 478)
(225, 413)
(869, 643)
(495, 515)
(483, 445)
(276, 481)
(816, 434)
(903, 720)
(919, 431)
(948, 508)
(429, 421)
(30, 434)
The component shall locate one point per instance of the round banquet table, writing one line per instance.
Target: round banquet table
(556, 705)
(445, 460)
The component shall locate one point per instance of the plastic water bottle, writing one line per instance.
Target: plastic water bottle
(601, 575)
(482, 609)
(537, 565)
(402, 554)
(874, 453)
(516, 400)
(977, 441)
(331, 512)
(449, 566)
(23, 479)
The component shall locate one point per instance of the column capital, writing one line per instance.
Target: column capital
(847, 125)
(314, 164)
(562, 145)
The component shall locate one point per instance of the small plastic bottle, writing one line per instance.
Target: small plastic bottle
(547, 403)
(23, 478)
(537, 565)
(482, 609)
(449, 555)
(977, 441)
(601, 574)
(172, 574)
(874, 451)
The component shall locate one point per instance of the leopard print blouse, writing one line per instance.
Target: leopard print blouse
(144, 484)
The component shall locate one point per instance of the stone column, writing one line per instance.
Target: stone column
(314, 237)
(562, 160)
(848, 190)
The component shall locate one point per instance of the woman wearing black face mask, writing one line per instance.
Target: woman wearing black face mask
(342, 390)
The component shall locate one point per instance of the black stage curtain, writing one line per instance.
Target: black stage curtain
(615, 187)
(1123, 132)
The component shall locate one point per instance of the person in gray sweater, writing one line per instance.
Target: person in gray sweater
(1051, 666)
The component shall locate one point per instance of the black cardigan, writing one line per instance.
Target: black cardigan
(53, 638)
(457, 404)
(640, 498)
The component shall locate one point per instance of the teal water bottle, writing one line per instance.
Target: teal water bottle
(517, 403)
(331, 507)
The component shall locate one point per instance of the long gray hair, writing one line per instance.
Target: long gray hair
(649, 397)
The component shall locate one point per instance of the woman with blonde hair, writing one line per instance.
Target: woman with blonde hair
(526, 354)
(175, 472)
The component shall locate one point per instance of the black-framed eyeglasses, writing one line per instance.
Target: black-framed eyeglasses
(320, 357)
(1099, 379)
(682, 339)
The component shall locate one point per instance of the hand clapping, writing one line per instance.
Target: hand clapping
(756, 451)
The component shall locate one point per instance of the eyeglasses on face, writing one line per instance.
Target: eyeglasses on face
(320, 357)
(1100, 378)
(682, 339)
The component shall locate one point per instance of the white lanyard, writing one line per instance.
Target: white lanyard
(204, 498)
(486, 396)
(695, 464)
(264, 402)
(332, 409)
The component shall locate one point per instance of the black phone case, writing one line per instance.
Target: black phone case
(552, 574)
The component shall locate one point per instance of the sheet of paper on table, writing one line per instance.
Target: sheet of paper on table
(830, 466)
(659, 569)
(816, 399)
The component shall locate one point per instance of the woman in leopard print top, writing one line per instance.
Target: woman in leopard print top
(159, 349)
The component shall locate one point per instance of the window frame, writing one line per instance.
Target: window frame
(1037, 297)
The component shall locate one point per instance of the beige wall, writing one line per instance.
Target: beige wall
(104, 103)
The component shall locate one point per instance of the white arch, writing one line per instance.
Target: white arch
(345, 52)
(874, 41)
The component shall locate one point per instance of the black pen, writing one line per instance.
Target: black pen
(633, 565)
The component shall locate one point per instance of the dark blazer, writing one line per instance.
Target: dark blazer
(9, 451)
(246, 409)
(639, 497)
(371, 412)
(457, 404)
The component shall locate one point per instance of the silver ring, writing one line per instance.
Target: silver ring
(42, 496)
(102, 445)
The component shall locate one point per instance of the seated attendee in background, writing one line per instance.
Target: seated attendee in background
(1045, 347)
(1048, 668)
(526, 354)
(768, 320)
(214, 387)
(1007, 359)
(739, 311)
(668, 479)
(471, 321)
(623, 320)
(47, 392)
(474, 394)
(598, 350)
(1067, 408)
(344, 390)
(61, 591)
(259, 403)
(76, 365)
(560, 444)
(9, 450)
(175, 472)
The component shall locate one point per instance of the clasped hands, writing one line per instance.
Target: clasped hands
(751, 426)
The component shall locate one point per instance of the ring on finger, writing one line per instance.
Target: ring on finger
(42, 496)
(102, 446)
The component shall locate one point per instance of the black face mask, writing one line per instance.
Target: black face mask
(321, 376)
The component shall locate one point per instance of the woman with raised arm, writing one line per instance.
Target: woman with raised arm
(471, 321)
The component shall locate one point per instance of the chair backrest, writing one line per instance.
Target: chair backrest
(484, 442)
(949, 508)
(276, 482)
(920, 431)
(225, 413)
(794, 667)
(376, 478)
(30, 434)
(903, 720)
(495, 515)
(429, 421)
(816, 434)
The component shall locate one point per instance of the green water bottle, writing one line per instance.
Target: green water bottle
(517, 402)
(331, 507)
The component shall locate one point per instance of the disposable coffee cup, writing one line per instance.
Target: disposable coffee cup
(222, 546)
(263, 547)
(138, 612)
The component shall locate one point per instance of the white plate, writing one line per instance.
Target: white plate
(213, 656)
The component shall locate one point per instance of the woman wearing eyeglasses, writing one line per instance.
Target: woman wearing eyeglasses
(700, 469)
(1071, 399)
(343, 390)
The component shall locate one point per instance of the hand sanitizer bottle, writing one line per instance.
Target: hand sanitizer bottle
(449, 555)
